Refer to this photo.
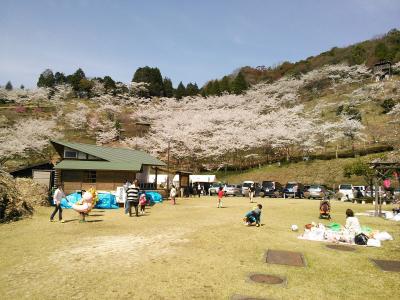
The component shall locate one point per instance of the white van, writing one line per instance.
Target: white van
(346, 191)
(246, 186)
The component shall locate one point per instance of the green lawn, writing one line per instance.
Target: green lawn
(189, 251)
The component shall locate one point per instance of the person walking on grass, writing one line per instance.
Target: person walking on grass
(251, 192)
(58, 195)
(220, 195)
(172, 194)
(132, 197)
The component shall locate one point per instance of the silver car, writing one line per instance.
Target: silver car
(233, 190)
(317, 191)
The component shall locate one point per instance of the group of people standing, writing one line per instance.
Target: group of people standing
(134, 198)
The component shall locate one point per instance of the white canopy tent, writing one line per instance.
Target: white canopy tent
(202, 178)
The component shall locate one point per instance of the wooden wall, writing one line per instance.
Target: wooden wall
(105, 180)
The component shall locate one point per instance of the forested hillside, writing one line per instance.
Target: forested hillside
(325, 110)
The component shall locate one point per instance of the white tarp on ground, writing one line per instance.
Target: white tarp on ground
(202, 178)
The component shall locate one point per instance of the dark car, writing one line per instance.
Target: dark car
(271, 189)
(293, 189)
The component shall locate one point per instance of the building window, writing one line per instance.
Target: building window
(70, 154)
(89, 177)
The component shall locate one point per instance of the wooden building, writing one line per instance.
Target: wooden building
(42, 173)
(382, 70)
(104, 168)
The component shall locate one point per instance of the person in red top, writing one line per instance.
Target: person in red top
(220, 195)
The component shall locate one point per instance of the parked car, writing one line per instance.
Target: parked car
(246, 186)
(271, 189)
(346, 192)
(319, 191)
(233, 190)
(214, 188)
(293, 189)
(306, 187)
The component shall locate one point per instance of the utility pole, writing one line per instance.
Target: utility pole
(169, 144)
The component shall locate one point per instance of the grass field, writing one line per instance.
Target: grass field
(189, 251)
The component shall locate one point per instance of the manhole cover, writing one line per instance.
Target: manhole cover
(388, 265)
(341, 247)
(265, 278)
(288, 258)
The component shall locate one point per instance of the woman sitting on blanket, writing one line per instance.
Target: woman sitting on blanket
(351, 229)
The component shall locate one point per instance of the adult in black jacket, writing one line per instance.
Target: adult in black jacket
(132, 197)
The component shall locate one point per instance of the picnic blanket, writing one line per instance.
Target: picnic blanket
(335, 233)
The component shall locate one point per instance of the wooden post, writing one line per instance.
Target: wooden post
(156, 180)
(168, 167)
(376, 195)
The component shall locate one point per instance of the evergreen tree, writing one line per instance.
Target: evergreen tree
(225, 84)
(215, 88)
(46, 79)
(22, 87)
(192, 89)
(168, 88)
(59, 78)
(153, 77)
(207, 90)
(76, 78)
(358, 55)
(239, 84)
(381, 51)
(9, 86)
(84, 87)
(109, 83)
(180, 91)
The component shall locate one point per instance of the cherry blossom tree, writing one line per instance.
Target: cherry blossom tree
(26, 137)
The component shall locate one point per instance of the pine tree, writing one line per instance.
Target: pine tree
(225, 84)
(59, 78)
(192, 89)
(216, 90)
(381, 51)
(153, 77)
(76, 78)
(239, 84)
(22, 87)
(168, 88)
(9, 86)
(46, 79)
(109, 83)
(180, 91)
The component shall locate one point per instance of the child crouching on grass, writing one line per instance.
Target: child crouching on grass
(253, 216)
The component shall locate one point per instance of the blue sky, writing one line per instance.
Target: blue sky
(190, 41)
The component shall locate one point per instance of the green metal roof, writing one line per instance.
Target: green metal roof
(115, 158)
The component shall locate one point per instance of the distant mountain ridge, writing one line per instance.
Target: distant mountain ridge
(369, 52)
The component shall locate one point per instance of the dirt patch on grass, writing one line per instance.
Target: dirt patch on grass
(126, 250)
